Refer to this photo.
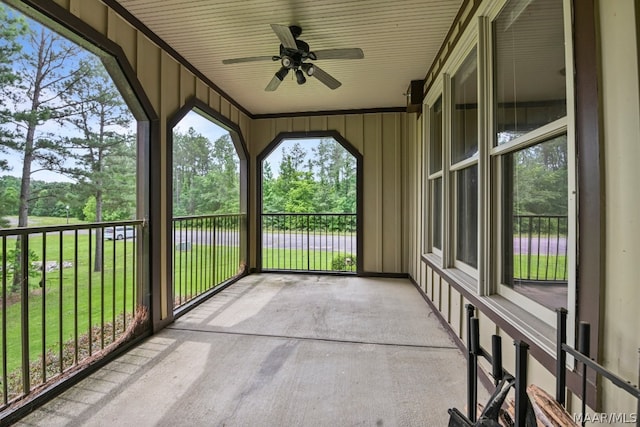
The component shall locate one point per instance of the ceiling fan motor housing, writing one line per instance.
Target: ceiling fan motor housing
(293, 58)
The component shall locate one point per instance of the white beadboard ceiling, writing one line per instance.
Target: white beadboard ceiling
(399, 38)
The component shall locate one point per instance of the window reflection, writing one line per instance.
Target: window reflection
(536, 222)
(529, 67)
(464, 136)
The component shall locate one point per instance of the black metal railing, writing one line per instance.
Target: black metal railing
(540, 248)
(67, 295)
(309, 242)
(207, 252)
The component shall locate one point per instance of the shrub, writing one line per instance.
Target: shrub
(345, 262)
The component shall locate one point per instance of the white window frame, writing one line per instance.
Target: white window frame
(431, 177)
(564, 125)
(451, 195)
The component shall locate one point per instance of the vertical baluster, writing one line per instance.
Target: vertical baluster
(90, 284)
(76, 271)
(5, 396)
(561, 356)
(472, 367)
(548, 252)
(521, 382)
(496, 358)
(210, 268)
(114, 274)
(584, 344)
(100, 241)
(43, 286)
(24, 289)
(308, 243)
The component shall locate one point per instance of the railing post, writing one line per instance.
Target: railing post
(308, 246)
(472, 368)
(521, 382)
(561, 356)
(24, 315)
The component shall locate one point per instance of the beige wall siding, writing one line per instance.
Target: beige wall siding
(167, 84)
(380, 139)
(621, 110)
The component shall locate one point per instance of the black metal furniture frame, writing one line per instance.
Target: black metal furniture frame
(498, 372)
(581, 355)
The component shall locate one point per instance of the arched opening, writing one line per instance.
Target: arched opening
(209, 199)
(310, 204)
(74, 169)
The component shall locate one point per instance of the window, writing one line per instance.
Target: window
(501, 160)
(435, 176)
(464, 162)
(530, 152)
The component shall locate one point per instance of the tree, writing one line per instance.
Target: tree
(191, 159)
(11, 29)
(269, 202)
(540, 179)
(46, 69)
(102, 153)
(323, 183)
(219, 190)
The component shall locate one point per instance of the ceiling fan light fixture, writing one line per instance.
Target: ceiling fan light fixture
(309, 69)
(282, 73)
(286, 62)
(300, 77)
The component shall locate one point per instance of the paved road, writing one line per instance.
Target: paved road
(324, 242)
(542, 245)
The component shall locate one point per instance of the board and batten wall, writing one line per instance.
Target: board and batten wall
(168, 84)
(380, 138)
(619, 28)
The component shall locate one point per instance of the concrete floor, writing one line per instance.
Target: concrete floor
(281, 350)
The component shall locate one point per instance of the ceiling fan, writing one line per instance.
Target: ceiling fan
(293, 54)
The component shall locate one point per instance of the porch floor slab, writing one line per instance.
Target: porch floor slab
(281, 350)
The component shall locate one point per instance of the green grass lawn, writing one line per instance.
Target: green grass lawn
(540, 267)
(42, 221)
(289, 259)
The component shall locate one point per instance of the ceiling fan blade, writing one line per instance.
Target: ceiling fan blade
(351, 53)
(273, 84)
(325, 78)
(247, 59)
(284, 34)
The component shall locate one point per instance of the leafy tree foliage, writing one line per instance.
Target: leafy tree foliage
(540, 179)
(47, 69)
(11, 28)
(320, 181)
(206, 176)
